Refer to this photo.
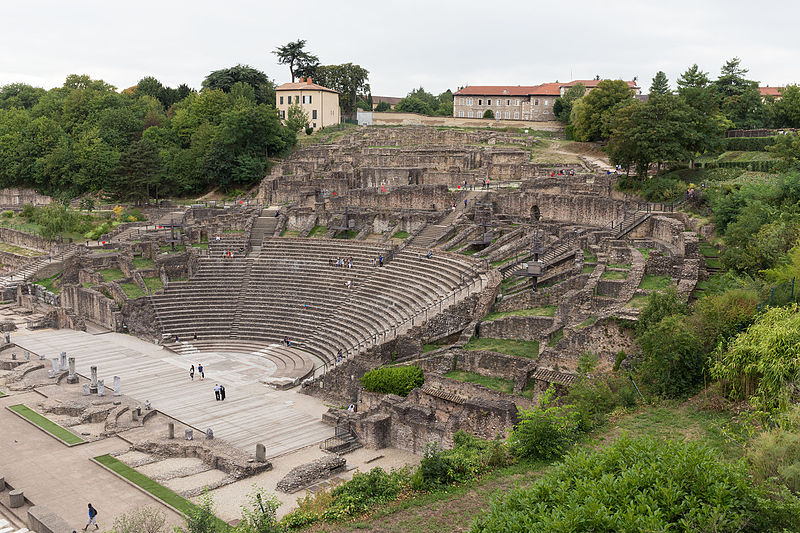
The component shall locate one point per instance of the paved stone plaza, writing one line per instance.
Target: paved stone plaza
(283, 421)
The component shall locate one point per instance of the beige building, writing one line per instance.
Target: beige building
(516, 102)
(321, 103)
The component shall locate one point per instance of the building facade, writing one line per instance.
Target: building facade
(516, 102)
(321, 103)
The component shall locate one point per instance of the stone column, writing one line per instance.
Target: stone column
(71, 377)
(171, 430)
(261, 453)
(101, 388)
(117, 386)
(93, 384)
(63, 360)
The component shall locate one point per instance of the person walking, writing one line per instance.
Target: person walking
(222, 392)
(191, 372)
(92, 518)
(200, 371)
(216, 391)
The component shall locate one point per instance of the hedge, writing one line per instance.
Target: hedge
(398, 380)
(749, 144)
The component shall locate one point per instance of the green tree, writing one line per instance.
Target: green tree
(301, 63)
(591, 114)
(296, 118)
(562, 106)
(660, 84)
(348, 80)
(225, 79)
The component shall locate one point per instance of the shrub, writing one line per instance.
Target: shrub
(761, 363)
(398, 380)
(642, 484)
(545, 432)
(469, 458)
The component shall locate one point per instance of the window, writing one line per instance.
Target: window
(508, 114)
(488, 102)
(470, 115)
(314, 114)
(516, 115)
(281, 100)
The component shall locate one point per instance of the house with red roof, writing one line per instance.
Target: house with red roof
(320, 103)
(516, 102)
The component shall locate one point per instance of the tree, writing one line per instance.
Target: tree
(225, 79)
(296, 118)
(660, 84)
(562, 106)
(348, 80)
(382, 107)
(301, 63)
(591, 114)
(488, 114)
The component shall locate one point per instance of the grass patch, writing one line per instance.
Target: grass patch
(652, 282)
(46, 424)
(49, 283)
(589, 257)
(140, 480)
(318, 231)
(498, 384)
(111, 274)
(556, 338)
(588, 322)
(626, 266)
(638, 301)
(400, 235)
(549, 310)
(143, 263)
(529, 349)
(153, 284)
(131, 290)
(613, 274)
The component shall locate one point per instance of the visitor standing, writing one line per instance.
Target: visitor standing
(191, 372)
(92, 518)
(216, 391)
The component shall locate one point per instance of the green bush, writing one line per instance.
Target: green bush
(398, 380)
(469, 458)
(643, 484)
(545, 432)
(748, 144)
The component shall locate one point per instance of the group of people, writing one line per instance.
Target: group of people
(341, 262)
(200, 371)
(219, 391)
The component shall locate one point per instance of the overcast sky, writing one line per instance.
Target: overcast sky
(403, 44)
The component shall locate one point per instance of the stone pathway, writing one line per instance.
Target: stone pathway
(281, 420)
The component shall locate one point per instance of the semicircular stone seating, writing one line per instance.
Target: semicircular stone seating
(289, 289)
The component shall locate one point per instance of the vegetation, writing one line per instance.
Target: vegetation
(642, 485)
(398, 380)
(516, 348)
(46, 424)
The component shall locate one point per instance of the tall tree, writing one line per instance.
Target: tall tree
(301, 63)
(660, 84)
(348, 80)
(592, 113)
(224, 79)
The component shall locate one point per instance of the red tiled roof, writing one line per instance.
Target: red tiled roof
(770, 91)
(303, 86)
(545, 89)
